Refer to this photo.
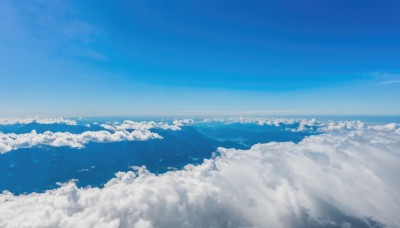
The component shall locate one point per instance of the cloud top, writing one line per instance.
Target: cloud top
(9, 142)
(13, 121)
(132, 131)
(132, 125)
(295, 124)
(333, 179)
(127, 131)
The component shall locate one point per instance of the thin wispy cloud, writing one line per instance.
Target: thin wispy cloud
(389, 82)
(385, 78)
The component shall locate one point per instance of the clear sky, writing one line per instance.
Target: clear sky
(99, 58)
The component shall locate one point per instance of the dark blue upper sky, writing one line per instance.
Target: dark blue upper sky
(136, 57)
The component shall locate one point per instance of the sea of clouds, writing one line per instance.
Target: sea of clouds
(346, 177)
(13, 121)
(114, 132)
(141, 131)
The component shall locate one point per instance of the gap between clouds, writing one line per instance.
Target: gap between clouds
(343, 178)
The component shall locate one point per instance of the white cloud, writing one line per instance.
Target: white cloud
(303, 124)
(336, 179)
(256, 120)
(263, 121)
(11, 141)
(328, 126)
(127, 131)
(132, 125)
(130, 130)
(12, 121)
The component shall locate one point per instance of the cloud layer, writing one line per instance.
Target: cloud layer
(132, 125)
(127, 131)
(296, 124)
(334, 179)
(12, 121)
(9, 142)
(132, 131)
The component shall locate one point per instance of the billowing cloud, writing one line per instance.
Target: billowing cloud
(132, 125)
(343, 178)
(127, 131)
(12, 121)
(130, 130)
(256, 120)
(300, 124)
(9, 142)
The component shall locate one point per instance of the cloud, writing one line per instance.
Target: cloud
(347, 178)
(389, 82)
(132, 125)
(386, 78)
(295, 124)
(263, 121)
(11, 141)
(132, 131)
(127, 131)
(12, 121)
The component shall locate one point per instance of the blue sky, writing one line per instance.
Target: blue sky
(99, 58)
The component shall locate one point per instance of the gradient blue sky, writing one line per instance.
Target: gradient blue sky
(98, 58)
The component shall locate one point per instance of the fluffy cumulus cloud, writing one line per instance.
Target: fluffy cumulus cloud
(258, 120)
(342, 178)
(127, 131)
(132, 125)
(13, 121)
(11, 141)
(295, 124)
